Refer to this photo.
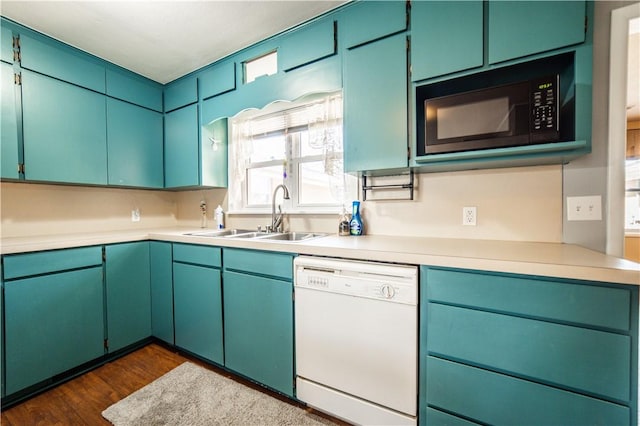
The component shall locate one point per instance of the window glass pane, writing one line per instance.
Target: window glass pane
(317, 141)
(258, 67)
(268, 149)
(315, 187)
(261, 182)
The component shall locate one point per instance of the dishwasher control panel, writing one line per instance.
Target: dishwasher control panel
(389, 282)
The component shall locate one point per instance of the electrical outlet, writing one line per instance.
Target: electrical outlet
(135, 215)
(584, 208)
(469, 216)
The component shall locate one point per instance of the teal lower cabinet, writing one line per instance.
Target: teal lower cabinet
(128, 291)
(197, 300)
(53, 314)
(513, 349)
(258, 317)
(161, 261)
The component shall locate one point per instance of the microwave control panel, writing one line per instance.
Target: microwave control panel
(544, 108)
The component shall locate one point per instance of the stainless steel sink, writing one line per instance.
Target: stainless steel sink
(247, 234)
(221, 233)
(293, 236)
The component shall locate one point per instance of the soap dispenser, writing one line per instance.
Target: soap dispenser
(219, 215)
(356, 226)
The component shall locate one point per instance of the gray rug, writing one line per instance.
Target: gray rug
(192, 395)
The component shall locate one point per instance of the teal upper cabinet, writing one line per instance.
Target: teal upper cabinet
(181, 147)
(446, 36)
(521, 28)
(6, 44)
(307, 44)
(365, 21)
(217, 79)
(62, 62)
(132, 88)
(180, 93)
(64, 131)
(135, 155)
(128, 291)
(375, 105)
(9, 124)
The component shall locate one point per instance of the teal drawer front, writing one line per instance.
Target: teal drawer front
(181, 93)
(218, 79)
(437, 417)
(198, 255)
(134, 89)
(59, 62)
(259, 262)
(370, 20)
(584, 304)
(493, 398)
(581, 359)
(22, 265)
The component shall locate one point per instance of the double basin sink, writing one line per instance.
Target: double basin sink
(259, 235)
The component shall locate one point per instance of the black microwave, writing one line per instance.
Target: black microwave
(460, 116)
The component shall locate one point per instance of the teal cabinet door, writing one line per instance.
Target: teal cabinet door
(375, 105)
(521, 28)
(52, 323)
(62, 62)
(366, 21)
(197, 300)
(446, 36)
(64, 129)
(161, 291)
(214, 153)
(128, 294)
(9, 124)
(217, 79)
(182, 147)
(135, 145)
(180, 93)
(6, 44)
(308, 44)
(133, 88)
(258, 329)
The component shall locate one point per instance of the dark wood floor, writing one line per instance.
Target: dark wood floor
(82, 400)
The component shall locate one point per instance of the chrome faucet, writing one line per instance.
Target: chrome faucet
(276, 220)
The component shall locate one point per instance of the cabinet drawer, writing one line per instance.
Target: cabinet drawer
(198, 255)
(562, 301)
(134, 89)
(59, 62)
(218, 79)
(23, 265)
(370, 20)
(581, 359)
(180, 93)
(492, 398)
(259, 262)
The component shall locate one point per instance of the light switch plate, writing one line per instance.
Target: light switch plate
(135, 215)
(584, 208)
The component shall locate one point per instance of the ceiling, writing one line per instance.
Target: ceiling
(163, 40)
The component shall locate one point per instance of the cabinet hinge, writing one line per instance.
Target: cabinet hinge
(17, 79)
(16, 56)
(106, 343)
(16, 42)
(104, 254)
(16, 49)
(21, 168)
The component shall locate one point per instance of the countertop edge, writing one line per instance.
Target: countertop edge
(381, 248)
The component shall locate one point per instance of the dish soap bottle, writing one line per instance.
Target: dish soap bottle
(356, 226)
(343, 224)
(219, 214)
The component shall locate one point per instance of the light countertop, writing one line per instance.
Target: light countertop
(531, 258)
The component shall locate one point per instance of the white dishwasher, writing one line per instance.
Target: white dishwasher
(356, 328)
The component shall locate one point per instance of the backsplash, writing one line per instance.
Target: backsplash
(521, 204)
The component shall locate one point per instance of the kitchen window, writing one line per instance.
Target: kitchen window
(298, 144)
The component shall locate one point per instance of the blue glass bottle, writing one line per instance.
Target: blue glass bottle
(355, 226)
